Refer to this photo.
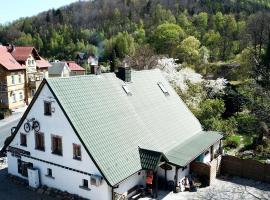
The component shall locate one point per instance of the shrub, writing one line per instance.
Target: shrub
(232, 144)
(246, 123)
(232, 141)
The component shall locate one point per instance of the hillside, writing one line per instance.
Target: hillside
(85, 25)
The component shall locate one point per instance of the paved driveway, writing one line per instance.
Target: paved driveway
(12, 191)
(224, 189)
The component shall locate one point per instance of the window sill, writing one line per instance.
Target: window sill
(48, 176)
(84, 188)
(40, 149)
(57, 154)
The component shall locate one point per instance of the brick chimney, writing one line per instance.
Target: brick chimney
(124, 73)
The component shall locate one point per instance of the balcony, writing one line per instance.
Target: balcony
(34, 82)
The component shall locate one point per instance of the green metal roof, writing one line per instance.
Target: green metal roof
(149, 159)
(113, 125)
(185, 152)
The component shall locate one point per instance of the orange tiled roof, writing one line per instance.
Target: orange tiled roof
(42, 63)
(74, 67)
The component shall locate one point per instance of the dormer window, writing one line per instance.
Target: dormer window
(126, 89)
(163, 89)
(47, 108)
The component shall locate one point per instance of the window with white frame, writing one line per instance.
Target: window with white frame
(20, 78)
(14, 98)
(13, 79)
(21, 95)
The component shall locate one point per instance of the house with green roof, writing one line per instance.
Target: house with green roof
(100, 136)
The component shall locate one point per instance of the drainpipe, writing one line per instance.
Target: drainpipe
(165, 175)
(176, 177)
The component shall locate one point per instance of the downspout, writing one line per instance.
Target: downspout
(176, 177)
(112, 193)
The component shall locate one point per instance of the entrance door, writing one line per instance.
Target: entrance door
(23, 166)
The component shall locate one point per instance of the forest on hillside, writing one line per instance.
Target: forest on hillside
(214, 38)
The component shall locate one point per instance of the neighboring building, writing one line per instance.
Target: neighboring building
(98, 136)
(89, 62)
(12, 81)
(36, 68)
(75, 69)
(82, 60)
(22, 70)
(59, 69)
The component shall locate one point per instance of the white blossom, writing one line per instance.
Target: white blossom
(177, 75)
(216, 86)
(180, 77)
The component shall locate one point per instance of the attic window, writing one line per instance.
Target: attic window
(163, 89)
(125, 87)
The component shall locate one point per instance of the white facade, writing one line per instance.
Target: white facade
(63, 179)
(67, 174)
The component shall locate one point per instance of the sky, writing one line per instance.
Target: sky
(11, 10)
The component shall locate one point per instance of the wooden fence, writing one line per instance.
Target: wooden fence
(250, 169)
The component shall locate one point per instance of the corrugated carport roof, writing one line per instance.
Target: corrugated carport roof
(190, 149)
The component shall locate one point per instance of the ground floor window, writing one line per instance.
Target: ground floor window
(23, 166)
(84, 185)
(49, 173)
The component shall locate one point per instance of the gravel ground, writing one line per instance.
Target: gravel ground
(224, 188)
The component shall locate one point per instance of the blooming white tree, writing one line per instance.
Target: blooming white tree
(177, 75)
(184, 78)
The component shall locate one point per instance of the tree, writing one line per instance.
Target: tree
(166, 37)
(211, 40)
(143, 58)
(24, 40)
(161, 15)
(226, 25)
(201, 23)
(210, 115)
(189, 50)
(258, 31)
(247, 61)
(124, 44)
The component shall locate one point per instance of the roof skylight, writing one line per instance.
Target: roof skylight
(163, 89)
(126, 89)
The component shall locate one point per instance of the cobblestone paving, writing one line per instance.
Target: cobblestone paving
(224, 189)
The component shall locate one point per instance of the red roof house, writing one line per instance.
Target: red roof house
(7, 60)
(75, 68)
